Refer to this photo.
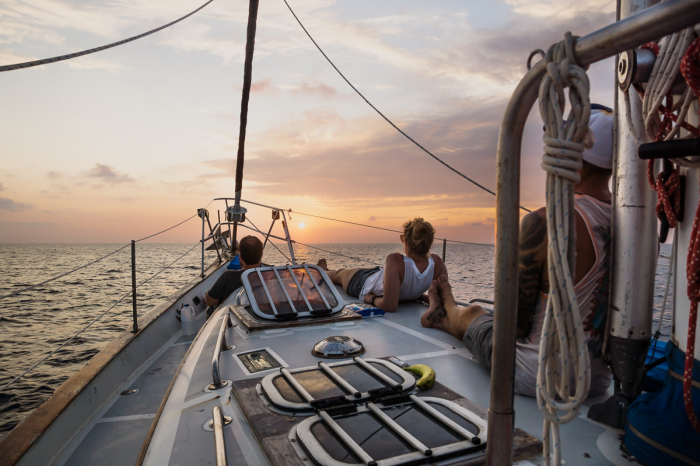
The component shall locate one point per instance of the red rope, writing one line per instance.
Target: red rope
(668, 192)
(690, 66)
(690, 69)
(691, 61)
(693, 273)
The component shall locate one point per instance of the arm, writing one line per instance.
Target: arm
(392, 284)
(532, 260)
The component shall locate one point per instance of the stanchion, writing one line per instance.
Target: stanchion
(444, 249)
(133, 285)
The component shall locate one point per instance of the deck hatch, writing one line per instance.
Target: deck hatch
(258, 361)
(333, 384)
(291, 291)
(401, 434)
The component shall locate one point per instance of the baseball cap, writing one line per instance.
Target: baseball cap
(601, 126)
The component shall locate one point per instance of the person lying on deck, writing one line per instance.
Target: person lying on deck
(250, 251)
(403, 278)
(474, 325)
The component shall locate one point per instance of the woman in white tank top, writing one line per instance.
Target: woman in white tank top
(403, 278)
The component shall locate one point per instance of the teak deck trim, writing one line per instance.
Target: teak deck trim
(26, 433)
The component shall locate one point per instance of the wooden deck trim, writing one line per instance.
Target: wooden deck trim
(25, 434)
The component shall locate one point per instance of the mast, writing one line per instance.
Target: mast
(236, 213)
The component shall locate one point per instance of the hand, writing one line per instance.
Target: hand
(368, 298)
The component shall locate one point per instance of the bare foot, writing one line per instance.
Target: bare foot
(436, 315)
(445, 289)
(323, 264)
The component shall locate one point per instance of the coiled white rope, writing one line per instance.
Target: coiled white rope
(563, 351)
(666, 70)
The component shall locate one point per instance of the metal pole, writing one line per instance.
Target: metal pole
(201, 212)
(288, 238)
(133, 286)
(444, 249)
(650, 24)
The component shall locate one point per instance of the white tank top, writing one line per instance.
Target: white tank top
(414, 282)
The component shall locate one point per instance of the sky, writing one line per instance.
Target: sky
(122, 143)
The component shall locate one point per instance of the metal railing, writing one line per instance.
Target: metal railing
(219, 442)
(221, 345)
(648, 25)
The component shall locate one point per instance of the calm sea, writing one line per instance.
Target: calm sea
(36, 322)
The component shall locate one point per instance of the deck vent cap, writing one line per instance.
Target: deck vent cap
(338, 347)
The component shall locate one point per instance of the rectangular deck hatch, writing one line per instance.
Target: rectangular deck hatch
(291, 291)
(418, 430)
(334, 384)
(258, 361)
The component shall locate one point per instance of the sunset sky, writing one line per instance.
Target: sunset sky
(119, 144)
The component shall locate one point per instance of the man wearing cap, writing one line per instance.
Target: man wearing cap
(474, 325)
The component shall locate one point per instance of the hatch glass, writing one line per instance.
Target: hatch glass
(287, 292)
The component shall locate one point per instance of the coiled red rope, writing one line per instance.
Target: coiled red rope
(668, 192)
(690, 69)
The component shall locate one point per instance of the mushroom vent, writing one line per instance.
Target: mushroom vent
(338, 347)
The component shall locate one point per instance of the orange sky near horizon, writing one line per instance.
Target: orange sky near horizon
(123, 143)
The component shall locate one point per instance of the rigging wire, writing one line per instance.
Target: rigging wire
(14, 293)
(385, 229)
(45, 61)
(94, 320)
(387, 119)
(269, 240)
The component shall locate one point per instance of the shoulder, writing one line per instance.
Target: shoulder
(394, 259)
(436, 259)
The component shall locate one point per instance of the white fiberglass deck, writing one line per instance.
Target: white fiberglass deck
(182, 438)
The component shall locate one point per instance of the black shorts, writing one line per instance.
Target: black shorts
(358, 281)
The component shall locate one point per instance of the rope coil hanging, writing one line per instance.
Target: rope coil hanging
(563, 350)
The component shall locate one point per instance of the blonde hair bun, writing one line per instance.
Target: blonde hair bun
(418, 236)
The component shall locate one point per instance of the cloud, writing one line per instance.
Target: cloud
(264, 85)
(90, 63)
(109, 174)
(53, 174)
(372, 219)
(2, 187)
(314, 87)
(14, 206)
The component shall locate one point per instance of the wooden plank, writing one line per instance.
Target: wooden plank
(251, 324)
(280, 452)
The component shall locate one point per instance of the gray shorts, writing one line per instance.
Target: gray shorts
(479, 339)
(358, 281)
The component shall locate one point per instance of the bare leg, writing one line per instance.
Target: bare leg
(339, 277)
(444, 313)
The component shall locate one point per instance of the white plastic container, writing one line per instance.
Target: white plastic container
(189, 320)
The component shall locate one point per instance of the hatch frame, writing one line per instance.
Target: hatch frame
(277, 400)
(307, 312)
(310, 444)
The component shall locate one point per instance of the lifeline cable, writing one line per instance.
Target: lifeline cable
(385, 118)
(14, 293)
(93, 321)
(45, 61)
(385, 229)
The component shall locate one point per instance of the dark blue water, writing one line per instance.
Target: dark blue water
(36, 322)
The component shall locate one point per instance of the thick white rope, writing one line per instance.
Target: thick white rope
(666, 70)
(563, 351)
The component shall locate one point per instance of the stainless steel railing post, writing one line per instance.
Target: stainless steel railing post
(135, 328)
(220, 346)
(636, 30)
(219, 442)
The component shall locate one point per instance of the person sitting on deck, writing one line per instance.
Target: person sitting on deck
(403, 278)
(250, 251)
(474, 325)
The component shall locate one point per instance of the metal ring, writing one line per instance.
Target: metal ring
(532, 54)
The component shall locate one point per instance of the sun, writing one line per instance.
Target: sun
(302, 225)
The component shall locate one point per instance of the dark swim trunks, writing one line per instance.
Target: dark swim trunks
(358, 281)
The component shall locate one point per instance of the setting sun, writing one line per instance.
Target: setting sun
(302, 225)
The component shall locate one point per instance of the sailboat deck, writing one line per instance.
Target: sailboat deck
(116, 434)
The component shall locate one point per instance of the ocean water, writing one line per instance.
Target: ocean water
(34, 323)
